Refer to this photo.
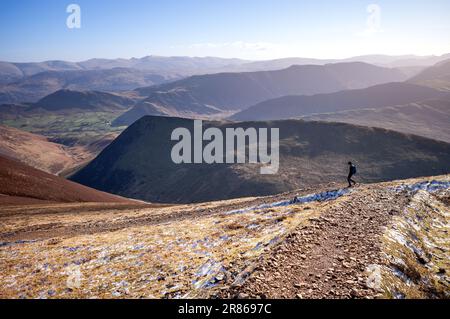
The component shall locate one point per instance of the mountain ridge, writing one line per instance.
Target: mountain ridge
(88, 100)
(388, 94)
(213, 93)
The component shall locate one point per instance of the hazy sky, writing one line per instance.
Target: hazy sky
(36, 30)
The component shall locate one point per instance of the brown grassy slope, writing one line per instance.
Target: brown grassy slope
(36, 150)
(39, 152)
(20, 180)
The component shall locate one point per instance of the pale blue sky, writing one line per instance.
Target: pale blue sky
(35, 30)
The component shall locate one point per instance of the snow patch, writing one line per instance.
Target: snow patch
(374, 276)
(317, 197)
(429, 186)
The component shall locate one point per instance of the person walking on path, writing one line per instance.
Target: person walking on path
(351, 172)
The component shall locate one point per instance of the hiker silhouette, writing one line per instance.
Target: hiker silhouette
(351, 172)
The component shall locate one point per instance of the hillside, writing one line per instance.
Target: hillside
(330, 243)
(13, 72)
(35, 87)
(429, 118)
(9, 73)
(22, 184)
(78, 120)
(12, 111)
(138, 163)
(214, 93)
(37, 151)
(42, 153)
(64, 100)
(72, 118)
(436, 76)
(388, 94)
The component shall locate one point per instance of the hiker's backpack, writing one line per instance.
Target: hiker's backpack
(353, 169)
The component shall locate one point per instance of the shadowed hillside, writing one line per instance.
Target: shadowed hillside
(436, 76)
(388, 94)
(89, 100)
(429, 118)
(138, 163)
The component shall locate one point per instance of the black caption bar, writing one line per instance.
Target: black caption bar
(216, 308)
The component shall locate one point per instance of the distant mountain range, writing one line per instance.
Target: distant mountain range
(204, 95)
(28, 82)
(419, 106)
(138, 163)
(300, 91)
(177, 65)
(400, 61)
(34, 87)
(183, 66)
(404, 62)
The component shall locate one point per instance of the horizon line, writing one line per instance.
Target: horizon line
(230, 58)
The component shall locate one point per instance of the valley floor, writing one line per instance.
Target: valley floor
(386, 240)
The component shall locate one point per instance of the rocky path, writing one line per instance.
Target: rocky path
(328, 243)
(328, 257)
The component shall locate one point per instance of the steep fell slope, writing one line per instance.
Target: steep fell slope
(20, 184)
(138, 163)
(36, 150)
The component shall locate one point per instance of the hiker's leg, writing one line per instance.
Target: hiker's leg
(349, 178)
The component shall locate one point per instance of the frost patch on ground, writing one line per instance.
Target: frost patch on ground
(318, 197)
(373, 276)
(429, 186)
(416, 246)
(186, 258)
